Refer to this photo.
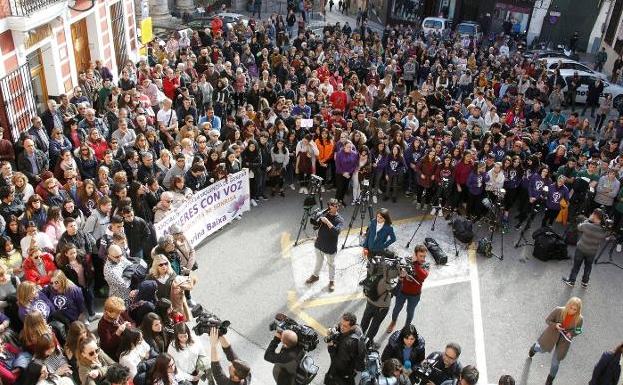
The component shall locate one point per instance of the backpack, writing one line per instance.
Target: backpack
(370, 286)
(136, 273)
(438, 254)
(462, 229)
(142, 371)
(306, 370)
(484, 247)
(548, 245)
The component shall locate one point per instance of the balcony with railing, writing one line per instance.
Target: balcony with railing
(29, 7)
(25, 15)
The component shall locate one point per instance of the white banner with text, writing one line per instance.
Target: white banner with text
(210, 209)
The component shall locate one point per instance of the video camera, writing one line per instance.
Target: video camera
(393, 261)
(206, 321)
(307, 336)
(314, 217)
(424, 372)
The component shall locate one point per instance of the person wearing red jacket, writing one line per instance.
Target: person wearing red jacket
(35, 264)
(339, 98)
(461, 173)
(170, 84)
(410, 287)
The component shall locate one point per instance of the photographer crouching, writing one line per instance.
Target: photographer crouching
(344, 345)
(441, 368)
(331, 224)
(592, 233)
(286, 361)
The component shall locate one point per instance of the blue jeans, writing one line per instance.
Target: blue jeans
(411, 300)
(553, 370)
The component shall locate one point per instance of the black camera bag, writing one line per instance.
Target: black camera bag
(548, 245)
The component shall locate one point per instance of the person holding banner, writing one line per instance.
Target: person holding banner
(564, 324)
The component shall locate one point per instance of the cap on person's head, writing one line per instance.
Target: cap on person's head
(556, 128)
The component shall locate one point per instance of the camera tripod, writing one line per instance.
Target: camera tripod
(493, 219)
(416, 230)
(362, 207)
(314, 196)
(612, 243)
(522, 240)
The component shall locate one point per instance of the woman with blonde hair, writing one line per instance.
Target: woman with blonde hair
(23, 189)
(170, 285)
(30, 298)
(65, 296)
(93, 363)
(35, 327)
(563, 324)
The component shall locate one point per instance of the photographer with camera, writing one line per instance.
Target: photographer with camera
(286, 361)
(443, 368)
(591, 235)
(326, 242)
(345, 351)
(410, 286)
(239, 371)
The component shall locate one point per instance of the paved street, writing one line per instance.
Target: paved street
(494, 309)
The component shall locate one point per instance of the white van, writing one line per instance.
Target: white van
(436, 25)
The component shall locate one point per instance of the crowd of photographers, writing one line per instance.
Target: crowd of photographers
(448, 121)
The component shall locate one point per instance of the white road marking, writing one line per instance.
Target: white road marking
(479, 333)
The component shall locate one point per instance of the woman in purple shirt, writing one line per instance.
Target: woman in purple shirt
(346, 162)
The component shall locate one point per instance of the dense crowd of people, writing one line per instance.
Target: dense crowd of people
(444, 120)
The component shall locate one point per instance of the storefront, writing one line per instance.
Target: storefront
(45, 46)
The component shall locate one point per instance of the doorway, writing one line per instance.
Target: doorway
(37, 76)
(80, 37)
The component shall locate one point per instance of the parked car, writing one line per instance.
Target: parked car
(567, 64)
(550, 53)
(587, 78)
(436, 25)
(469, 28)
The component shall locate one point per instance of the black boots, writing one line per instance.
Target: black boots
(550, 380)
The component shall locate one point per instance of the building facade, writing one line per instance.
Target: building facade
(46, 44)
(612, 39)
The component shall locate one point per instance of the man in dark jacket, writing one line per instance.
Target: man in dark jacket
(239, 371)
(595, 90)
(137, 233)
(326, 242)
(84, 242)
(343, 351)
(447, 363)
(32, 162)
(608, 368)
(286, 361)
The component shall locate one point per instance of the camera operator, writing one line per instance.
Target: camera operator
(239, 371)
(326, 242)
(344, 352)
(286, 361)
(447, 365)
(591, 235)
(377, 308)
(410, 287)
